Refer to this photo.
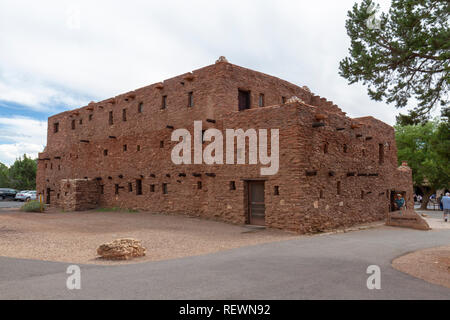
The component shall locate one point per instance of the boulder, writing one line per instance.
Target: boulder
(121, 249)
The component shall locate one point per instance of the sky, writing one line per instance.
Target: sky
(60, 55)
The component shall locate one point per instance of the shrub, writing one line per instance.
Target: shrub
(31, 206)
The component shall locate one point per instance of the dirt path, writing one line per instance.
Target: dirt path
(75, 236)
(432, 265)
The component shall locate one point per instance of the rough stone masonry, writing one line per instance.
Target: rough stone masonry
(334, 171)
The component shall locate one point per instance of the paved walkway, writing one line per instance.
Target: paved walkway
(10, 204)
(318, 267)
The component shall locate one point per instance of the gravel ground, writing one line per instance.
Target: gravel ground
(74, 237)
(432, 265)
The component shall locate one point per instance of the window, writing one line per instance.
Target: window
(283, 100)
(138, 187)
(161, 144)
(90, 117)
(190, 99)
(138, 148)
(111, 119)
(321, 194)
(141, 104)
(243, 99)
(345, 148)
(81, 121)
(362, 194)
(102, 189)
(380, 153)
(105, 152)
(116, 189)
(125, 147)
(55, 127)
(124, 115)
(325, 147)
(152, 188)
(164, 102)
(130, 187)
(199, 185)
(338, 187)
(261, 100)
(276, 190)
(73, 124)
(164, 188)
(232, 185)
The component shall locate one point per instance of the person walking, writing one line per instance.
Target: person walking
(446, 205)
(441, 207)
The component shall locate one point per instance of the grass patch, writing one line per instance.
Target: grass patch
(32, 206)
(115, 209)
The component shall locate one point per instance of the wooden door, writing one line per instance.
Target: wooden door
(256, 204)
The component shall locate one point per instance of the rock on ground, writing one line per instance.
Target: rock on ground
(121, 249)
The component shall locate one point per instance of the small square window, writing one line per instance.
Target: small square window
(90, 117)
(73, 124)
(161, 144)
(164, 188)
(140, 107)
(283, 100)
(164, 102)
(276, 190)
(105, 152)
(81, 121)
(232, 185)
(190, 99)
(138, 148)
(261, 100)
(125, 147)
(55, 127)
(138, 187)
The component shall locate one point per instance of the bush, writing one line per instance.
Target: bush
(31, 206)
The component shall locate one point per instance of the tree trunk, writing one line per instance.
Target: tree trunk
(426, 199)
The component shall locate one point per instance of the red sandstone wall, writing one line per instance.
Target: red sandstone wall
(307, 202)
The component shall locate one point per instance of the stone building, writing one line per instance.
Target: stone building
(334, 171)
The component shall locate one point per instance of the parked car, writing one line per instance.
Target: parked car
(32, 195)
(7, 193)
(23, 195)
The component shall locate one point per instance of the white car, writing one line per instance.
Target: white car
(26, 195)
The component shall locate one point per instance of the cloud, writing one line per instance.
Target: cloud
(59, 55)
(19, 136)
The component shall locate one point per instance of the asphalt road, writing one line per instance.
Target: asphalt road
(10, 204)
(319, 267)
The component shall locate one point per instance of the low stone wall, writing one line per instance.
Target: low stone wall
(79, 194)
(407, 219)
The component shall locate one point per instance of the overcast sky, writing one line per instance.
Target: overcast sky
(59, 55)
